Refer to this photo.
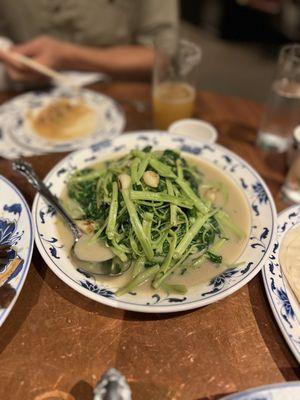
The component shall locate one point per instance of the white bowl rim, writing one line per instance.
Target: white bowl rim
(157, 308)
(211, 131)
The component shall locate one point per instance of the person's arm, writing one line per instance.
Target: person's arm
(126, 61)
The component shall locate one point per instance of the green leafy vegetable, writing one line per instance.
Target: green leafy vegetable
(156, 228)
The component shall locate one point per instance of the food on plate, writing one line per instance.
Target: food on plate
(164, 215)
(63, 119)
(9, 262)
(289, 258)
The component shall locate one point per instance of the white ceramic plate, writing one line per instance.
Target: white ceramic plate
(281, 391)
(262, 235)
(15, 230)
(284, 304)
(18, 137)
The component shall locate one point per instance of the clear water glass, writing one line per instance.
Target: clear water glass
(282, 109)
(173, 87)
(291, 188)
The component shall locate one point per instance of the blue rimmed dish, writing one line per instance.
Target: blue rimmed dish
(280, 391)
(282, 300)
(16, 231)
(19, 138)
(261, 238)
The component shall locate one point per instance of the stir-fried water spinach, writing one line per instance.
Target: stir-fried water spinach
(155, 212)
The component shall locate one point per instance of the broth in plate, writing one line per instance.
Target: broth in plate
(237, 208)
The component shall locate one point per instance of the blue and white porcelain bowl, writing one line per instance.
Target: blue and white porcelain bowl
(18, 137)
(16, 231)
(262, 235)
(282, 300)
(280, 391)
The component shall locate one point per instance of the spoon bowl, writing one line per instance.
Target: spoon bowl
(97, 262)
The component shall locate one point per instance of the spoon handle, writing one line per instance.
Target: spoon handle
(26, 170)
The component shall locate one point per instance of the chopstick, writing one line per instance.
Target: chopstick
(11, 267)
(42, 69)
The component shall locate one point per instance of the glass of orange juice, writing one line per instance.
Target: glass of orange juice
(173, 89)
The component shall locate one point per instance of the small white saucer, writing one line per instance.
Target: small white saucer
(196, 129)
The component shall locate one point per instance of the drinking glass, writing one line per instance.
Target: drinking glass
(174, 79)
(282, 110)
(291, 187)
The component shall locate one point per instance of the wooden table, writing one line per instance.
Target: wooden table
(57, 340)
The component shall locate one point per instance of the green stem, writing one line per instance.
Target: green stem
(173, 207)
(191, 233)
(138, 266)
(226, 223)
(164, 197)
(168, 259)
(174, 288)
(163, 277)
(142, 168)
(119, 246)
(198, 203)
(162, 169)
(167, 262)
(133, 244)
(214, 248)
(138, 280)
(84, 178)
(147, 224)
(134, 170)
(136, 225)
(158, 244)
(113, 212)
(138, 153)
(122, 256)
(100, 230)
(179, 169)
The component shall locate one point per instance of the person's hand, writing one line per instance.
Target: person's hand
(43, 49)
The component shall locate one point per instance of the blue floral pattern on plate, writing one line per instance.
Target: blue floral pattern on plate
(282, 300)
(18, 137)
(261, 236)
(281, 391)
(10, 236)
(16, 231)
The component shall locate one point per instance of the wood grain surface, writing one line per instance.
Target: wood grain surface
(57, 341)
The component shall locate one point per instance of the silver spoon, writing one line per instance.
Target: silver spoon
(112, 386)
(104, 265)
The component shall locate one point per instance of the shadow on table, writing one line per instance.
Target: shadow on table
(89, 305)
(140, 391)
(28, 298)
(135, 316)
(82, 390)
(215, 397)
(270, 331)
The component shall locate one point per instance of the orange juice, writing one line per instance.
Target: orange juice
(172, 101)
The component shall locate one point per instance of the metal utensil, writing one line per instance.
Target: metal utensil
(112, 386)
(97, 268)
(42, 69)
